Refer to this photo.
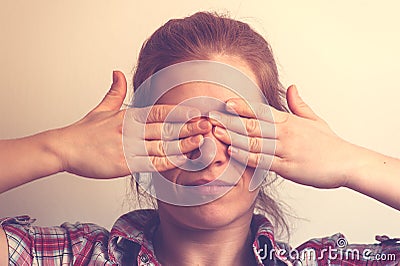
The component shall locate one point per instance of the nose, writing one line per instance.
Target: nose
(212, 152)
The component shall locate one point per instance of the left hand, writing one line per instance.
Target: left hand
(300, 146)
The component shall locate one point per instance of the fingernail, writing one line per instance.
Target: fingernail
(296, 90)
(201, 140)
(215, 116)
(231, 105)
(218, 131)
(196, 139)
(233, 149)
(204, 124)
(114, 76)
(192, 113)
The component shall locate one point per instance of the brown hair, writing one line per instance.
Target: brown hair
(203, 36)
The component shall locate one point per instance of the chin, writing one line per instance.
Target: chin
(214, 215)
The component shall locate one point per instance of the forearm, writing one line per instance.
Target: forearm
(27, 159)
(375, 175)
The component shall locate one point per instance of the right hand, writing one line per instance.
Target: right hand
(92, 147)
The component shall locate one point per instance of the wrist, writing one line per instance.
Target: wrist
(360, 160)
(354, 161)
(50, 145)
(27, 159)
(375, 175)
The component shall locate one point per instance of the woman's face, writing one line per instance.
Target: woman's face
(238, 202)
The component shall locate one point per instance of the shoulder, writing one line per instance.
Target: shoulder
(334, 249)
(138, 220)
(137, 226)
(65, 243)
(131, 238)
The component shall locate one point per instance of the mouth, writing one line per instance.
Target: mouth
(211, 183)
(205, 187)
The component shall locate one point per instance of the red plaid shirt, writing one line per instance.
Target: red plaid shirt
(129, 243)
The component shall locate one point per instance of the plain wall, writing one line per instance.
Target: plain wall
(56, 63)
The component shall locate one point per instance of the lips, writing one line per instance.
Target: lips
(215, 182)
(209, 188)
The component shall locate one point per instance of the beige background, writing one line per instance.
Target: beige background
(56, 63)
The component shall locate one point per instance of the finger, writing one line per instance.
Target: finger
(154, 163)
(170, 131)
(167, 113)
(245, 126)
(175, 147)
(257, 110)
(252, 144)
(298, 106)
(251, 159)
(115, 96)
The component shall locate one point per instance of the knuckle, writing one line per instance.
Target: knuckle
(257, 159)
(166, 163)
(263, 111)
(167, 131)
(190, 128)
(252, 159)
(138, 114)
(160, 148)
(251, 125)
(154, 161)
(183, 144)
(265, 161)
(255, 144)
(261, 161)
(160, 163)
(158, 113)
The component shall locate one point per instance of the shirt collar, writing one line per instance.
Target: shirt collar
(265, 247)
(135, 230)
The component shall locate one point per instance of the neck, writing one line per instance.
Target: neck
(179, 245)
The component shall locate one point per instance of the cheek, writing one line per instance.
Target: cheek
(171, 174)
(245, 180)
(247, 176)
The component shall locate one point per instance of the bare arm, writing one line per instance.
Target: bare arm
(26, 159)
(375, 175)
(94, 138)
(92, 147)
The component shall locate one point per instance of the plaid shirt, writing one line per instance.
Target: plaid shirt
(129, 243)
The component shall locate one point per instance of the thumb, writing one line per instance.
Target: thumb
(297, 105)
(115, 96)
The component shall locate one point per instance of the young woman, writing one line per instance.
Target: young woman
(224, 230)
